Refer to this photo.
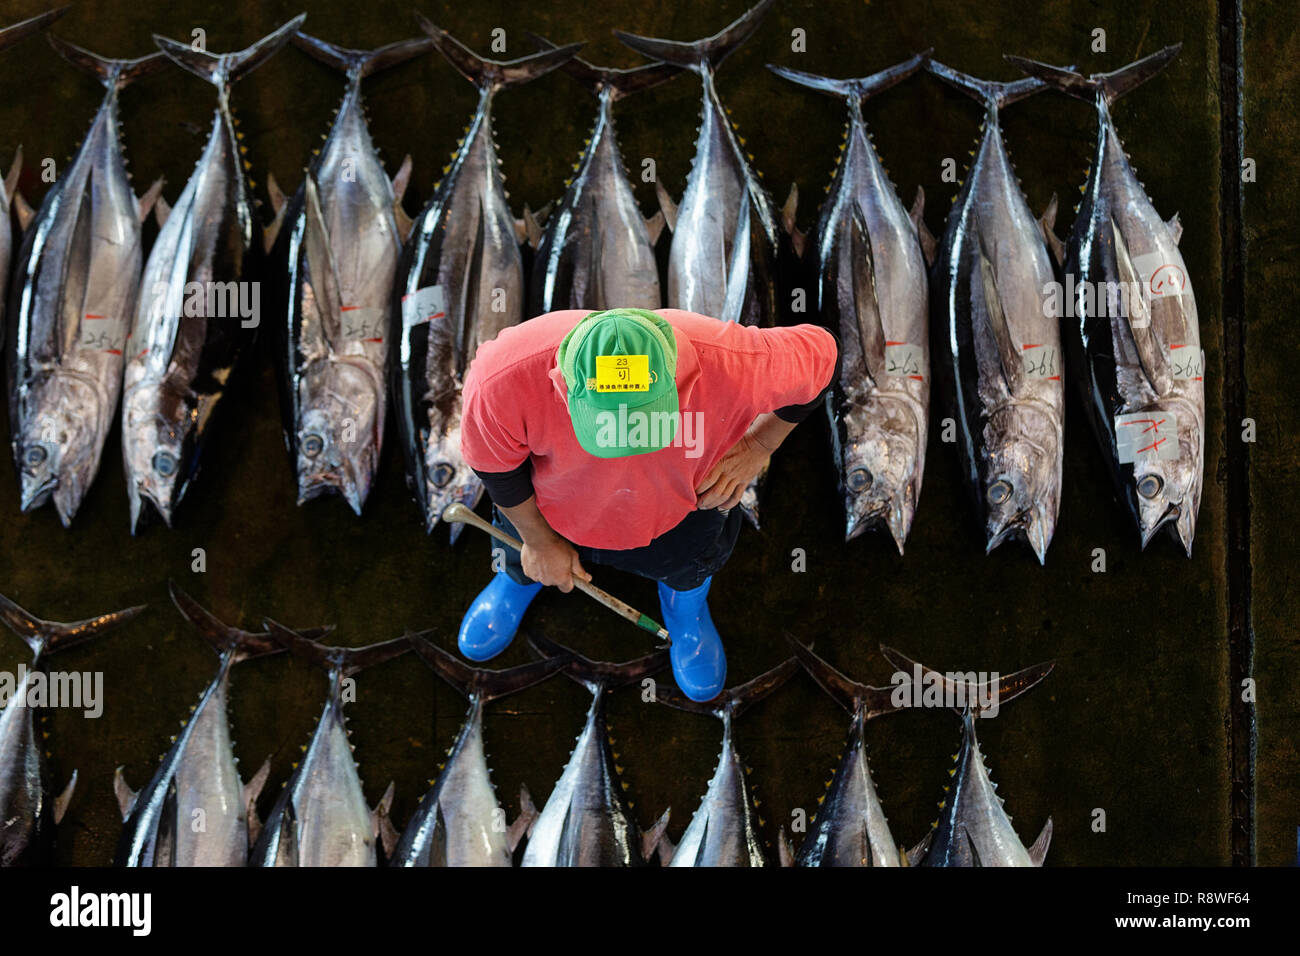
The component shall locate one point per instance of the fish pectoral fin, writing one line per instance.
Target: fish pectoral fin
(1038, 852)
(666, 206)
(382, 825)
(62, 800)
(1175, 226)
(918, 852)
(1154, 363)
(655, 227)
(125, 795)
(24, 212)
(929, 247)
(651, 838)
(784, 852)
(523, 825)
(1012, 366)
(161, 211)
(149, 198)
(871, 331)
(15, 170)
(1047, 225)
(402, 179)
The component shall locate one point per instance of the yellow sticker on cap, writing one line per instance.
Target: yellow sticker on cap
(622, 373)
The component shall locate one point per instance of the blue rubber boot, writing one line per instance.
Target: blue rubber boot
(490, 624)
(699, 662)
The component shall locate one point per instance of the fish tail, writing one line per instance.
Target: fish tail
(47, 636)
(110, 73)
(361, 62)
(620, 83)
(495, 74)
(483, 683)
(700, 54)
(21, 31)
(345, 661)
(849, 694)
(732, 703)
(857, 89)
(1112, 85)
(1005, 688)
(245, 645)
(223, 69)
(992, 94)
(595, 674)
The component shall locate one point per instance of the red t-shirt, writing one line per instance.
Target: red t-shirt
(516, 409)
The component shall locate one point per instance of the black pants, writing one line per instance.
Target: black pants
(682, 557)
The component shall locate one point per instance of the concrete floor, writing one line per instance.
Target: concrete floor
(1131, 722)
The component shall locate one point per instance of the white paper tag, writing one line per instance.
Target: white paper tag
(1161, 278)
(423, 305)
(363, 323)
(903, 360)
(1041, 361)
(1142, 436)
(99, 333)
(1187, 362)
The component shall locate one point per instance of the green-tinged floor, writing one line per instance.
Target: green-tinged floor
(1124, 745)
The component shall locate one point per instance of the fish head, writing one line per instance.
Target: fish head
(880, 469)
(1021, 480)
(158, 447)
(56, 448)
(1167, 492)
(448, 478)
(338, 436)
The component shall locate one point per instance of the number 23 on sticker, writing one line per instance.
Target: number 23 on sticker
(622, 373)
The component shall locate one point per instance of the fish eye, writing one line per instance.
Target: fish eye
(999, 492)
(1150, 485)
(164, 463)
(442, 474)
(312, 445)
(35, 455)
(859, 478)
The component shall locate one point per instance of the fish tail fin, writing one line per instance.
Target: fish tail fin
(22, 30)
(110, 73)
(849, 694)
(223, 69)
(592, 674)
(245, 644)
(1003, 689)
(992, 94)
(731, 703)
(346, 661)
(495, 74)
(1112, 85)
(361, 62)
(484, 683)
(47, 636)
(700, 54)
(621, 83)
(856, 89)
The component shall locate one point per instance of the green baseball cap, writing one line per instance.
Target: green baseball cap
(620, 368)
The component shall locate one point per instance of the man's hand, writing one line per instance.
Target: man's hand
(725, 484)
(554, 562)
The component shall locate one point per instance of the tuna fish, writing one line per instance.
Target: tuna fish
(725, 235)
(199, 305)
(341, 240)
(198, 778)
(28, 815)
(597, 252)
(1134, 338)
(724, 830)
(871, 290)
(321, 817)
(587, 821)
(460, 281)
(459, 822)
(9, 197)
(74, 295)
(1001, 360)
(973, 829)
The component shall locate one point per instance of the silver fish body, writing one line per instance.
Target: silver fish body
(74, 296)
(1134, 332)
(199, 304)
(1001, 345)
(460, 281)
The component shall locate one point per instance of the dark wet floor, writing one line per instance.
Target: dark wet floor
(1132, 722)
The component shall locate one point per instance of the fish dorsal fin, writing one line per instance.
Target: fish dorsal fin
(22, 210)
(15, 170)
(1155, 365)
(1047, 226)
(917, 853)
(383, 826)
(700, 54)
(279, 205)
(654, 227)
(402, 179)
(929, 246)
(789, 211)
(650, 839)
(733, 303)
(1012, 366)
(666, 849)
(666, 206)
(523, 824)
(63, 799)
(481, 682)
(250, 793)
(125, 795)
(852, 696)
(1038, 852)
(322, 271)
(1175, 226)
(150, 197)
(162, 211)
